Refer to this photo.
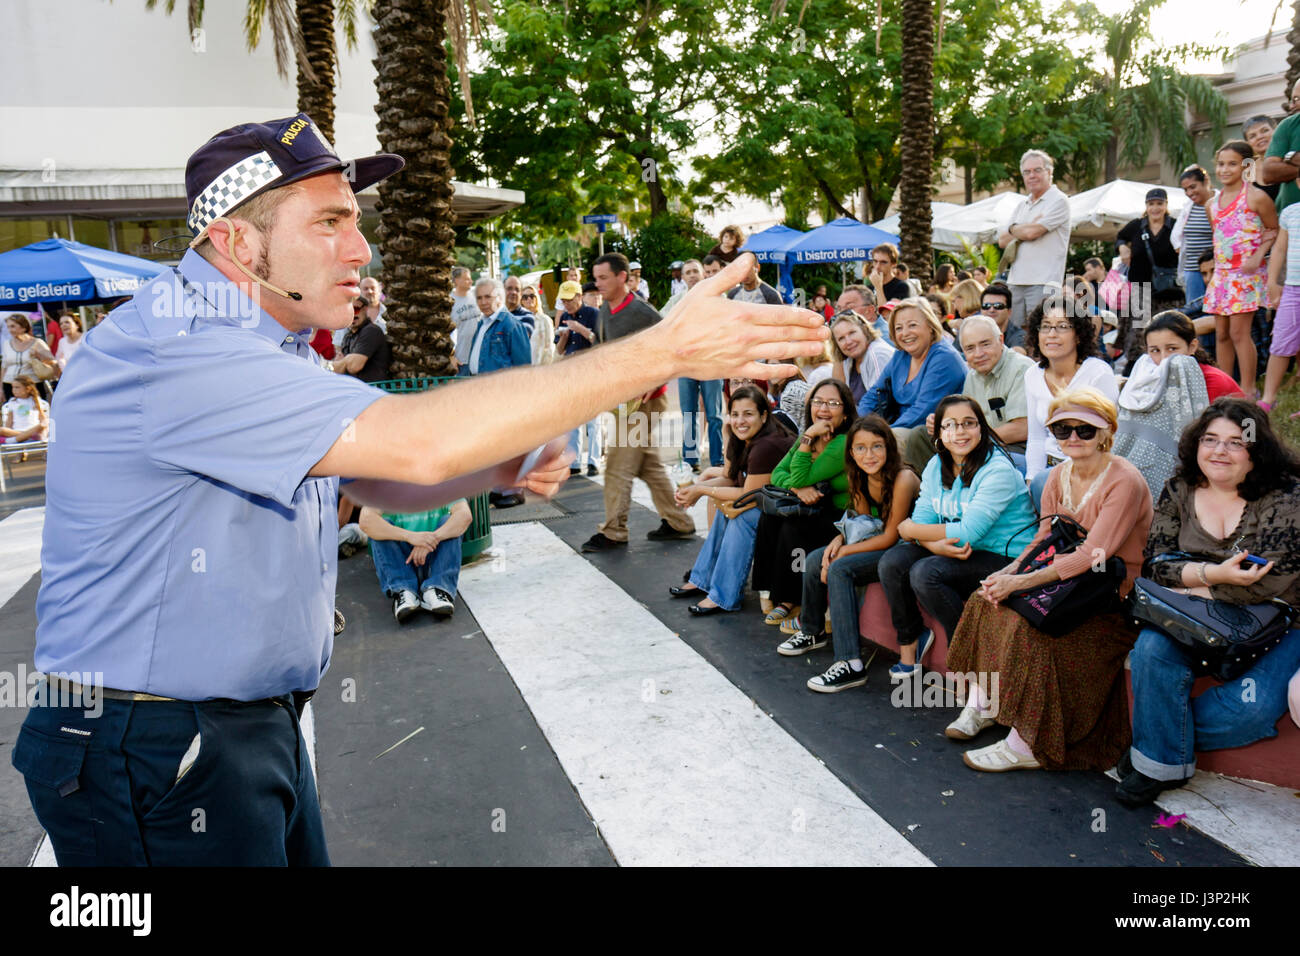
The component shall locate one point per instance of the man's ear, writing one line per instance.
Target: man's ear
(219, 235)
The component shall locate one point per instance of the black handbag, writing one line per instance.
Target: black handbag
(784, 503)
(887, 406)
(1164, 280)
(1218, 639)
(1061, 606)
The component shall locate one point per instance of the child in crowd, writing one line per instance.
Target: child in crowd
(1284, 296)
(1240, 215)
(25, 416)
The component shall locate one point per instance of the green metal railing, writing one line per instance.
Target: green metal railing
(478, 537)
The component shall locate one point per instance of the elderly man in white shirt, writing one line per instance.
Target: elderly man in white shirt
(1040, 227)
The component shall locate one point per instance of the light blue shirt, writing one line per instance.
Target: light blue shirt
(186, 552)
(485, 322)
(1290, 221)
(994, 514)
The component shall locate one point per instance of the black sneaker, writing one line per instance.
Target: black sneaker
(1139, 790)
(504, 501)
(666, 532)
(839, 676)
(574, 472)
(591, 471)
(802, 643)
(598, 542)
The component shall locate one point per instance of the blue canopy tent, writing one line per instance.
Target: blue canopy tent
(769, 246)
(844, 240)
(60, 270)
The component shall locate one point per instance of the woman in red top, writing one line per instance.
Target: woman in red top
(1172, 333)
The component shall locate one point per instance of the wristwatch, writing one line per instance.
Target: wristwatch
(1287, 157)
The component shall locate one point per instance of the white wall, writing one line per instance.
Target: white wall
(99, 85)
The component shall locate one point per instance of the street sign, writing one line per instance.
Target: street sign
(601, 218)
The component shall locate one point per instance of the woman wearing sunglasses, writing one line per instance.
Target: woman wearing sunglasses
(1063, 697)
(972, 511)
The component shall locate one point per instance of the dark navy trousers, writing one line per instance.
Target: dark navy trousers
(173, 783)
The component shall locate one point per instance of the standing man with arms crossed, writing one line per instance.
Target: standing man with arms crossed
(1040, 227)
(205, 611)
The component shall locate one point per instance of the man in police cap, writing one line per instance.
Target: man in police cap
(190, 535)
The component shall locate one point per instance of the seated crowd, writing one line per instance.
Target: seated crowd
(967, 477)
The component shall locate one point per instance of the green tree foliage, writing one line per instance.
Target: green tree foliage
(667, 238)
(588, 104)
(817, 112)
(1142, 98)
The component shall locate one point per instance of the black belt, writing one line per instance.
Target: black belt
(73, 689)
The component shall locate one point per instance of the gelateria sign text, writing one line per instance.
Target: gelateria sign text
(46, 291)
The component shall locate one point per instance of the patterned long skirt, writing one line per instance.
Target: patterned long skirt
(1065, 695)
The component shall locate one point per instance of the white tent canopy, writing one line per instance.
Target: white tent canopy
(1100, 213)
(977, 223)
(940, 238)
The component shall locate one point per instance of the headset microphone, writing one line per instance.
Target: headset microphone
(230, 249)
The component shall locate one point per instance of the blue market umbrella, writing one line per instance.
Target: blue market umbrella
(769, 246)
(60, 270)
(844, 240)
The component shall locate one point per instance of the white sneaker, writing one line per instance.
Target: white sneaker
(404, 605)
(437, 601)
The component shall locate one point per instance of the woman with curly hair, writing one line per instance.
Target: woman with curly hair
(1061, 336)
(1236, 494)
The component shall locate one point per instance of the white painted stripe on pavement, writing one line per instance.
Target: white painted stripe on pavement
(20, 550)
(1259, 821)
(674, 763)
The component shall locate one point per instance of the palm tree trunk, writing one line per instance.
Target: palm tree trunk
(916, 142)
(316, 90)
(1112, 158)
(415, 206)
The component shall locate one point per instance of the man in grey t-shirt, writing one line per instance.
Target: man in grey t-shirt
(754, 289)
(632, 451)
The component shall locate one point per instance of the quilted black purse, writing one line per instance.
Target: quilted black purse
(784, 503)
(1218, 639)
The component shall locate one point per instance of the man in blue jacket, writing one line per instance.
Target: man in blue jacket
(500, 341)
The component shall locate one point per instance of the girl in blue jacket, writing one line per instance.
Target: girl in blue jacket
(973, 511)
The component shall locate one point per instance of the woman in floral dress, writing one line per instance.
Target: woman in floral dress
(1245, 225)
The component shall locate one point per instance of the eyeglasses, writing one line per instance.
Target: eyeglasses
(822, 403)
(1059, 328)
(865, 449)
(1233, 445)
(966, 425)
(1061, 431)
(529, 295)
(994, 306)
(1033, 171)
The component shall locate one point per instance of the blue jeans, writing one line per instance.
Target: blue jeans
(1036, 486)
(1169, 726)
(592, 428)
(105, 788)
(1193, 289)
(440, 570)
(723, 565)
(689, 391)
(843, 578)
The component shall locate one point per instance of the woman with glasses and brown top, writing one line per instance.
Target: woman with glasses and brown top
(1234, 502)
(813, 469)
(1062, 336)
(1062, 696)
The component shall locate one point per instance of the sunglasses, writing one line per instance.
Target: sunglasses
(994, 306)
(1061, 431)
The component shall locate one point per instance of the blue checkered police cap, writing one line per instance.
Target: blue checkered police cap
(247, 160)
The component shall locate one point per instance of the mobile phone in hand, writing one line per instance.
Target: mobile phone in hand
(1256, 559)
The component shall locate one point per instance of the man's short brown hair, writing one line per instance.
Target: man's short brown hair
(889, 249)
(260, 212)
